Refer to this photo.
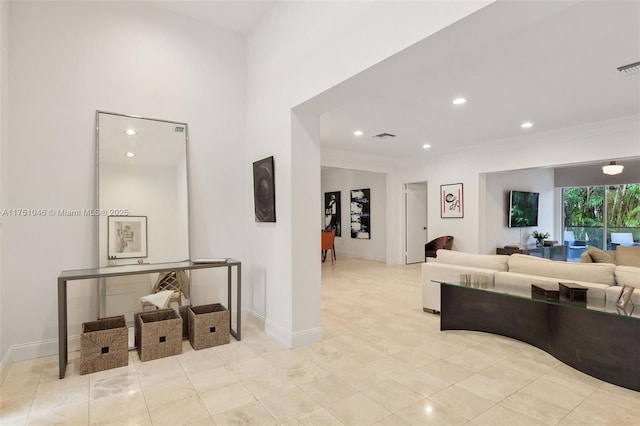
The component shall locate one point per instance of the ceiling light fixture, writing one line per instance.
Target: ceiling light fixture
(426, 146)
(612, 168)
(526, 125)
(358, 133)
(459, 101)
(130, 154)
(130, 132)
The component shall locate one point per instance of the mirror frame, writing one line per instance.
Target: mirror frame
(97, 175)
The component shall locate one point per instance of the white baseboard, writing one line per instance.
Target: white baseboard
(298, 339)
(305, 338)
(254, 318)
(32, 350)
(340, 254)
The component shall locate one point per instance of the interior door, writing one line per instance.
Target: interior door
(416, 221)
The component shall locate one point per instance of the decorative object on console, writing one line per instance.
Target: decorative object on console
(332, 213)
(127, 236)
(540, 237)
(361, 214)
(451, 197)
(625, 296)
(264, 191)
(545, 292)
(573, 292)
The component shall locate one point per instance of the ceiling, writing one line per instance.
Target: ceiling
(233, 15)
(550, 63)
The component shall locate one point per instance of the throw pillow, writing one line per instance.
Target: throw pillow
(628, 256)
(599, 256)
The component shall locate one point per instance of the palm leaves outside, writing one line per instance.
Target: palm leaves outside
(588, 209)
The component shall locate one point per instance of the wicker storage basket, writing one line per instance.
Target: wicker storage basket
(208, 326)
(104, 344)
(158, 334)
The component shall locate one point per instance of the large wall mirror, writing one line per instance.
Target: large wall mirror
(143, 197)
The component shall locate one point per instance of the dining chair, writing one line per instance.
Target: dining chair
(328, 243)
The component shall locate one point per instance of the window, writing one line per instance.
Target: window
(593, 213)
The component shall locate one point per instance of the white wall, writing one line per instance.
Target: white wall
(587, 143)
(4, 75)
(496, 207)
(344, 180)
(68, 60)
(299, 50)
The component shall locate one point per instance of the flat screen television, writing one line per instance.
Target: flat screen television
(523, 209)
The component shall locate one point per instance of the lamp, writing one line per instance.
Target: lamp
(612, 168)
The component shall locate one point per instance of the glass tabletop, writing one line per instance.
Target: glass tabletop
(485, 283)
(142, 268)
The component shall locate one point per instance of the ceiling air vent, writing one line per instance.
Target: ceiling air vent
(630, 68)
(384, 136)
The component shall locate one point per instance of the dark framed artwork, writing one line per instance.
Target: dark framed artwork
(451, 201)
(332, 212)
(264, 190)
(361, 214)
(127, 237)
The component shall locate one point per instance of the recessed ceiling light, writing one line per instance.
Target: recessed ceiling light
(358, 133)
(130, 132)
(459, 101)
(526, 125)
(426, 146)
(130, 154)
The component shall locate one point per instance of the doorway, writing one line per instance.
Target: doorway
(415, 205)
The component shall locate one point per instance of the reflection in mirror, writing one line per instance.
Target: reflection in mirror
(143, 200)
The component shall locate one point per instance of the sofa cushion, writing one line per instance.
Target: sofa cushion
(627, 275)
(628, 256)
(487, 261)
(599, 256)
(601, 273)
(521, 284)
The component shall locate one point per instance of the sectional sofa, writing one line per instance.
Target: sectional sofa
(516, 273)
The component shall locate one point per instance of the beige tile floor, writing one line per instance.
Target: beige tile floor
(382, 362)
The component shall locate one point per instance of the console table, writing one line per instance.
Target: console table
(557, 252)
(117, 271)
(596, 338)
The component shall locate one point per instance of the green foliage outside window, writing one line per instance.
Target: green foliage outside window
(587, 208)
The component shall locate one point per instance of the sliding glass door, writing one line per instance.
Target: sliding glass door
(593, 213)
